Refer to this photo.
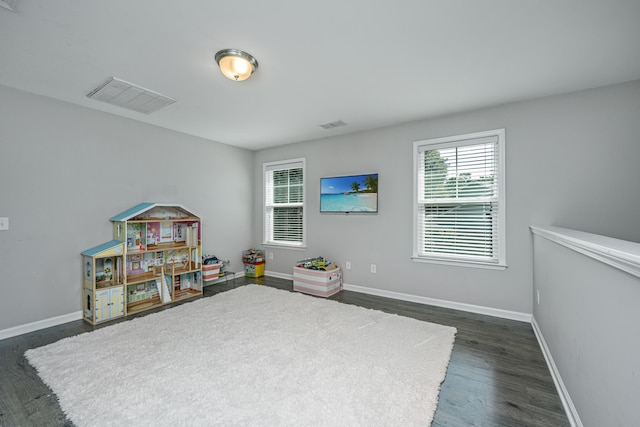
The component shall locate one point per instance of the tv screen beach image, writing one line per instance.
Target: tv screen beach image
(354, 193)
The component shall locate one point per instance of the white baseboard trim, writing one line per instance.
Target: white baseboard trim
(495, 312)
(567, 403)
(223, 279)
(279, 275)
(40, 324)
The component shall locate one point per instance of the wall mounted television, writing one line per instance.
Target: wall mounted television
(349, 194)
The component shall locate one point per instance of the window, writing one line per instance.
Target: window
(284, 216)
(459, 215)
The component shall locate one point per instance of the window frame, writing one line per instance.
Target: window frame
(457, 141)
(267, 227)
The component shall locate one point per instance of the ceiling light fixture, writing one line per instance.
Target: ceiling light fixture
(236, 64)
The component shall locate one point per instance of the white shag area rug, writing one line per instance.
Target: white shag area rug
(252, 356)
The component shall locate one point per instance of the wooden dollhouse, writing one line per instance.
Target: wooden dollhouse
(153, 259)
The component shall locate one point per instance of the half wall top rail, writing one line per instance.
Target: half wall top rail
(618, 253)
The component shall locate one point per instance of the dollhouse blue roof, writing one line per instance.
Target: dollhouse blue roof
(136, 210)
(101, 248)
(146, 206)
(164, 210)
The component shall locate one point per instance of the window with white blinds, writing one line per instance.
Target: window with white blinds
(284, 219)
(459, 199)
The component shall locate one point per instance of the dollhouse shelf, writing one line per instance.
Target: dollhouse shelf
(153, 260)
(106, 285)
(143, 277)
(163, 247)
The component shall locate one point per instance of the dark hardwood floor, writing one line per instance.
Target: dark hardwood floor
(497, 375)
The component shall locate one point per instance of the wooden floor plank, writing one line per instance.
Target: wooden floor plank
(497, 375)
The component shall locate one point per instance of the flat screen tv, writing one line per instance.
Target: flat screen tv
(349, 194)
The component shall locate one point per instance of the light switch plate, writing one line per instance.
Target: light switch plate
(4, 223)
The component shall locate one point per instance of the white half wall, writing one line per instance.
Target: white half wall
(586, 316)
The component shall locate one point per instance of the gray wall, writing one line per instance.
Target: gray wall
(65, 170)
(571, 161)
(588, 315)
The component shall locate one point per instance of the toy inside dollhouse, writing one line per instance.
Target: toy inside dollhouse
(162, 235)
(108, 272)
(143, 295)
(185, 284)
(151, 245)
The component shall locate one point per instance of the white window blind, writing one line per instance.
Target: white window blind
(284, 202)
(459, 198)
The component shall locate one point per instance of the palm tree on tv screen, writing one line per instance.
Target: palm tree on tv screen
(372, 183)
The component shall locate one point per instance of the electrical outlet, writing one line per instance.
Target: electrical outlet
(270, 255)
(347, 265)
(538, 295)
(373, 268)
(4, 223)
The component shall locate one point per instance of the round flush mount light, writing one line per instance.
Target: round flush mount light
(236, 64)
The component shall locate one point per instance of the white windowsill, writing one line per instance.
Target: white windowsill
(461, 263)
(617, 253)
(275, 245)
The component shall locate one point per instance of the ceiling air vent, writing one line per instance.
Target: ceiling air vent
(9, 4)
(332, 125)
(127, 95)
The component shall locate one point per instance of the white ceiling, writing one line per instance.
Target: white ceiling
(371, 63)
